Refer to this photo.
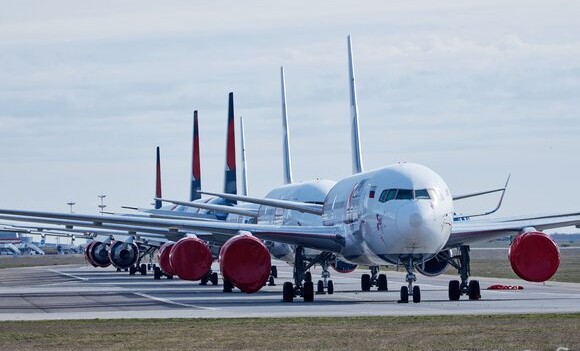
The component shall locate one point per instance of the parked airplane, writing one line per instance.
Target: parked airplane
(400, 214)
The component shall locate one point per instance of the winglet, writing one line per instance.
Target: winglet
(357, 165)
(286, 135)
(230, 184)
(244, 166)
(195, 163)
(498, 204)
(158, 181)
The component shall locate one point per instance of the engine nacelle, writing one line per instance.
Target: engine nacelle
(534, 256)
(123, 254)
(245, 262)
(163, 256)
(343, 267)
(436, 265)
(98, 254)
(190, 258)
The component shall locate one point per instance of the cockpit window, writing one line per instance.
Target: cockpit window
(422, 194)
(404, 194)
(407, 194)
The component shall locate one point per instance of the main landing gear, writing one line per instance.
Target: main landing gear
(410, 290)
(466, 287)
(211, 277)
(374, 279)
(303, 285)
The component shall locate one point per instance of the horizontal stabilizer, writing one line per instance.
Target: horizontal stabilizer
(212, 207)
(289, 205)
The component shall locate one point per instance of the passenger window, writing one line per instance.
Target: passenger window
(422, 194)
(404, 194)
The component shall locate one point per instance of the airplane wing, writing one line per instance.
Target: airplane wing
(471, 231)
(325, 238)
(290, 205)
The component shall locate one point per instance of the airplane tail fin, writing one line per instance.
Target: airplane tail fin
(230, 183)
(357, 165)
(244, 165)
(286, 136)
(158, 181)
(195, 163)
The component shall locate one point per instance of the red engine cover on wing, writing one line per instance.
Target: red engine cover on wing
(534, 256)
(190, 258)
(245, 262)
(164, 262)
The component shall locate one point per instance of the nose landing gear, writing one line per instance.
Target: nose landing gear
(374, 279)
(410, 290)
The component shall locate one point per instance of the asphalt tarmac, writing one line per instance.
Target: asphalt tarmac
(82, 292)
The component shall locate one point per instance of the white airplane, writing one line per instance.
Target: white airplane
(400, 214)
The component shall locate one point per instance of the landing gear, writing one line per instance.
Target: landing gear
(374, 279)
(273, 275)
(132, 270)
(143, 269)
(214, 278)
(415, 291)
(470, 288)
(157, 274)
(228, 286)
(303, 285)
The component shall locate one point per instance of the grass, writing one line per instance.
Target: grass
(40, 260)
(519, 332)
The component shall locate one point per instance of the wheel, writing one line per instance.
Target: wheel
(308, 291)
(474, 290)
(149, 266)
(214, 278)
(382, 283)
(126, 269)
(118, 269)
(203, 280)
(308, 277)
(416, 294)
(454, 291)
(143, 269)
(365, 282)
(271, 281)
(157, 273)
(170, 277)
(330, 287)
(288, 292)
(274, 271)
(132, 270)
(404, 294)
(320, 287)
(228, 286)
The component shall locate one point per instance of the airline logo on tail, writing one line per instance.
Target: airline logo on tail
(195, 163)
(230, 185)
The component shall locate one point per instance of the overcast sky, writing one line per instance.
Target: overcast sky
(472, 89)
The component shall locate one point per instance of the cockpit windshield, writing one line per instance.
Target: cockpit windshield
(407, 194)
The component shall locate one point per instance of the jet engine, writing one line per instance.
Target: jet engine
(435, 265)
(534, 256)
(245, 262)
(190, 258)
(87, 256)
(123, 254)
(98, 254)
(164, 262)
(342, 266)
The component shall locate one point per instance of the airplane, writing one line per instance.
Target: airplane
(401, 214)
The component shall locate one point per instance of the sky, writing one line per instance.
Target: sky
(474, 90)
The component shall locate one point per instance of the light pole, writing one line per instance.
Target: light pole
(71, 204)
(102, 205)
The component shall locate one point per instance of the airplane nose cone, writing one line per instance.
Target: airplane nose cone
(414, 221)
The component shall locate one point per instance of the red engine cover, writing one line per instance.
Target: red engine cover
(164, 262)
(88, 257)
(534, 256)
(190, 258)
(245, 262)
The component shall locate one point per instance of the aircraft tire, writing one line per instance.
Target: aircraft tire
(330, 287)
(404, 295)
(365, 282)
(308, 291)
(228, 287)
(157, 273)
(320, 287)
(288, 292)
(474, 290)
(143, 269)
(214, 278)
(416, 294)
(274, 271)
(454, 291)
(382, 283)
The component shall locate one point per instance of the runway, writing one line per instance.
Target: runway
(73, 292)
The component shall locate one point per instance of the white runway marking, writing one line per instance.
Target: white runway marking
(171, 302)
